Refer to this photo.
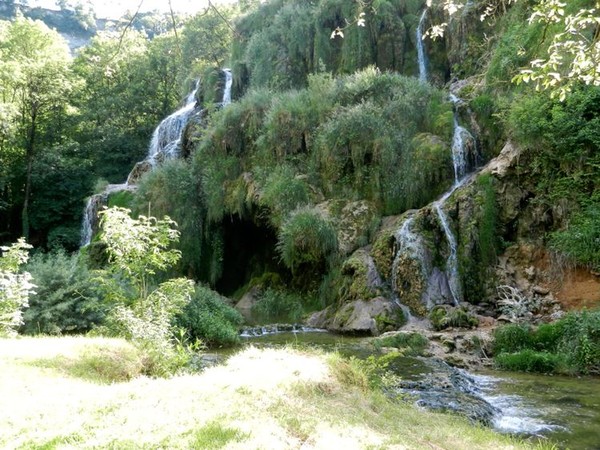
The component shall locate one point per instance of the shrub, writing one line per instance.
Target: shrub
(307, 238)
(172, 189)
(15, 287)
(570, 345)
(580, 242)
(530, 361)
(282, 193)
(209, 319)
(512, 338)
(66, 298)
(442, 317)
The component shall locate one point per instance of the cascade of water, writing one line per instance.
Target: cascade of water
(227, 91)
(421, 58)
(94, 203)
(460, 140)
(452, 260)
(166, 139)
(459, 160)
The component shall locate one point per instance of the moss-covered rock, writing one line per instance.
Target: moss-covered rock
(359, 278)
(384, 246)
(373, 317)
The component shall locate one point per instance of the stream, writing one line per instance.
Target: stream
(565, 410)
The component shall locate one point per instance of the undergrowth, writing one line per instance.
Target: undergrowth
(570, 345)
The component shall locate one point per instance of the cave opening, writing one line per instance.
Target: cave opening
(249, 252)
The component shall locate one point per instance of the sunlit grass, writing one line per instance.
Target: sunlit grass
(259, 399)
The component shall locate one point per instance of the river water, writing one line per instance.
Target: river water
(564, 410)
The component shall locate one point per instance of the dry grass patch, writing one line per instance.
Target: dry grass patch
(260, 399)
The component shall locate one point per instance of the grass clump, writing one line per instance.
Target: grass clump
(214, 435)
(307, 238)
(98, 363)
(570, 345)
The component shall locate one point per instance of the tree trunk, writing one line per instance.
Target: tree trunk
(29, 155)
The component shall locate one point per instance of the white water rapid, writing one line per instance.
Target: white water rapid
(421, 58)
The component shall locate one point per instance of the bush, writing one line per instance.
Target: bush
(531, 361)
(580, 242)
(570, 345)
(208, 318)
(307, 238)
(512, 338)
(66, 298)
(282, 193)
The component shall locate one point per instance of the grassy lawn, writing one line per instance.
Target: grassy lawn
(52, 395)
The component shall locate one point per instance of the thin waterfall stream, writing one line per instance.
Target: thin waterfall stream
(461, 138)
(421, 56)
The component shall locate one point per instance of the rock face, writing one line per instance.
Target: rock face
(360, 317)
(354, 222)
(140, 168)
(247, 302)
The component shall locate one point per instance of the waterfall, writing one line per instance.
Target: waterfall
(227, 91)
(165, 144)
(461, 139)
(460, 142)
(452, 260)
(90, 215)
(421, 58)
(166, 139)
(89, 224)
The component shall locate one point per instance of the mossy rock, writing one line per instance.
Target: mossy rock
(360, 280)
(411, 284)
(383, 249)
(355, 222)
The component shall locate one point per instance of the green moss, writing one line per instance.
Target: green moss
(382, 252)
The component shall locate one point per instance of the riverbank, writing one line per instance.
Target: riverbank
(260, 398)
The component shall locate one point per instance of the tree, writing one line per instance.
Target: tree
(137, 250)
(573, 56)
(36, 79)
(15, 287)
